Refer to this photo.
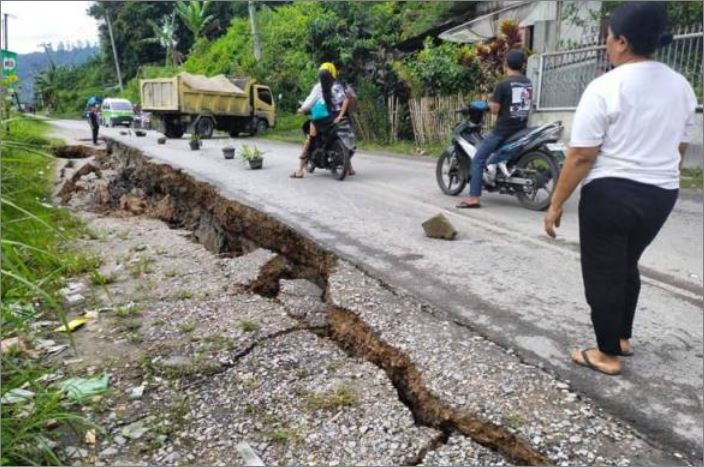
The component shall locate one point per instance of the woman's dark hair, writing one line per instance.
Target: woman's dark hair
(326, 83)
(643, 24)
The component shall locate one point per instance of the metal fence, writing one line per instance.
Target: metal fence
(563, 76)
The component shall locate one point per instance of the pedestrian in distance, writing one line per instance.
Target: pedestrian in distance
(94, 121)
(629, 137)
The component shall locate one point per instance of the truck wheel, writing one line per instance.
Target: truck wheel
(261, 127)
(205, 128)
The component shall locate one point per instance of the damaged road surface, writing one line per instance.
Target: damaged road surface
(395, 372)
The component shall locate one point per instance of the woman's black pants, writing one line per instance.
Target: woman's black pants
(618, 218)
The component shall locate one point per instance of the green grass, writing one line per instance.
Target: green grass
(692, 179)
(288, 130)
(331, 400)
(248, 326)
(187, 327)
(37, 260)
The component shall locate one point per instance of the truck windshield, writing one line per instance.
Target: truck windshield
(121, 106)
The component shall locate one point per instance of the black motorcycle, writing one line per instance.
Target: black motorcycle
(332, 149)
(527, 165)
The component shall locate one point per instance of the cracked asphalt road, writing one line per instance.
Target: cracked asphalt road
(501, 277)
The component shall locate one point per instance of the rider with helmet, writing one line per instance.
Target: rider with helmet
(327, 104)
(511, 101)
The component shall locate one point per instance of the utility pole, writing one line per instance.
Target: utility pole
(5, 26)
(114, 50)
(46, 45)
(255, 31)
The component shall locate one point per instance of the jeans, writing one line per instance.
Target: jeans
(618, 218)
(94, 131)
(491, 143)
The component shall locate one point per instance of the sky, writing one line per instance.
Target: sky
(52, 21)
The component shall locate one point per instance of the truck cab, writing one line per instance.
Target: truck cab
(263, 108)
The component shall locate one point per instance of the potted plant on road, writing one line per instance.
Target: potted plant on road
(252, 155)
(194, 142)
(228, 152)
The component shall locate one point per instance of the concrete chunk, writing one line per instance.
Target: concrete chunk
(439, 227)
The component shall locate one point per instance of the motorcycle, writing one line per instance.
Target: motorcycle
(333, 149)
(527, 165)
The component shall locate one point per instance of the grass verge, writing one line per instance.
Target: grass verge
(37, 260)
(692, 179)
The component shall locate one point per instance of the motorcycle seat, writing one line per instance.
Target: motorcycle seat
(520, 134)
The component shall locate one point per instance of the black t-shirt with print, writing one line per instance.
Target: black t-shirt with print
(515, 95)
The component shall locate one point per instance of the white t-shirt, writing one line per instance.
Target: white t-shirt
(638, 113)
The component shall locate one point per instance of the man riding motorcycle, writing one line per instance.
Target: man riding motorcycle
(511, 101)
(327, 104)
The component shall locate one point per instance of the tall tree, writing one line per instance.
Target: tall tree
(165, 35)
(193, 15)
(129, 31)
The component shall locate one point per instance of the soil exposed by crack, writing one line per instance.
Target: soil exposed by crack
(129, 182)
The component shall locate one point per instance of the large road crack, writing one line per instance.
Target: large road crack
(177, 198)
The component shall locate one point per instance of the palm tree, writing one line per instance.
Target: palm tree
(193, 16)
(165, 35)
(46, 85)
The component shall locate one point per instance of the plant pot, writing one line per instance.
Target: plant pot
(228, 152)
(256, 163)
(195, 145)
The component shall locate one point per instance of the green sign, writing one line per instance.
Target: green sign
(9, 63)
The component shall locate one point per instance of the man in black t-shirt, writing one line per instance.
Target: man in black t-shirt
(511, 101)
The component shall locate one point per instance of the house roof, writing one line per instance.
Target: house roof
(486, 26)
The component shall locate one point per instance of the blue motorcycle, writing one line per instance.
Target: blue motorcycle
(527, 165)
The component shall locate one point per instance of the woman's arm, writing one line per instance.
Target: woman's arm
(315, 94)
(577, 165)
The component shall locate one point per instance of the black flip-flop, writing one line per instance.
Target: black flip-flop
(626, 354)
(588, 364)
(465, 205)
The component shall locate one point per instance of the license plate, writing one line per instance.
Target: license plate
(555, 147)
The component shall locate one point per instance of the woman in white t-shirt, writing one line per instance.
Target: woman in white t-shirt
(629, 136)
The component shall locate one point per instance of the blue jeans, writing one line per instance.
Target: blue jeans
(491, 143)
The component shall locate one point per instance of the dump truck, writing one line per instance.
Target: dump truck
(190, 103)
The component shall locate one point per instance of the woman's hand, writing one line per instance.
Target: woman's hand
(552, 220)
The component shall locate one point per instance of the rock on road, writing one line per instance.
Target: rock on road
(502, 276)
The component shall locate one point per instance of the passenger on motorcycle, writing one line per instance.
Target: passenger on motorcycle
(327, 104)
(511, 101)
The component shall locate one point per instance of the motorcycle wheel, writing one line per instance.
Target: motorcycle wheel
(451, 173)
(544, 171)
(341, 160)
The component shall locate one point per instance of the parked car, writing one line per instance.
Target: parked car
(116, 112)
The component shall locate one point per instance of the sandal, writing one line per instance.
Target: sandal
(295, 175)
(588, 364)
(466, 205)
(625, 353)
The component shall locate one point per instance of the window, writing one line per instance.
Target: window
(265, 95)
(121, 105)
